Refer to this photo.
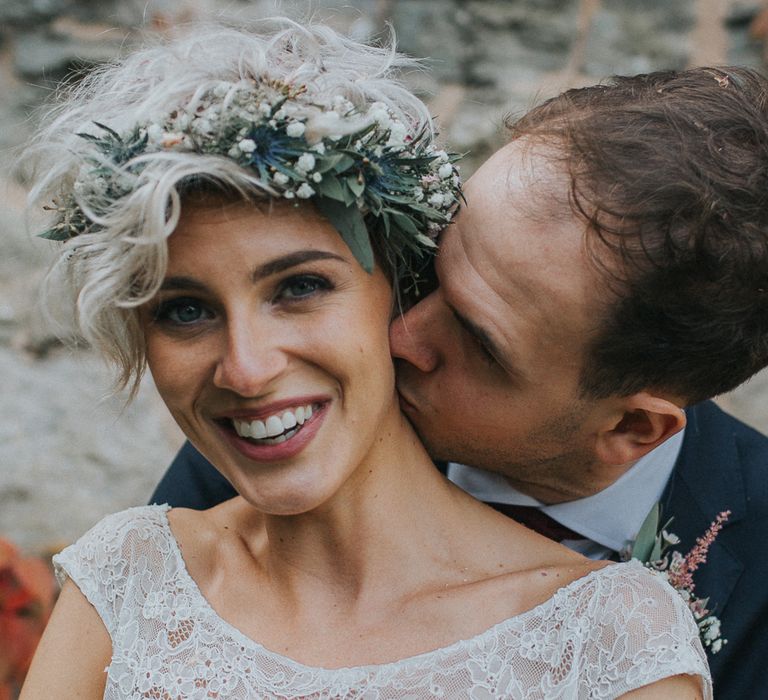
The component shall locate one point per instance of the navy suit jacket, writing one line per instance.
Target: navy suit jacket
(723, 465)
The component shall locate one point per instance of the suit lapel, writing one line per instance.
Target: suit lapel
(707, 480)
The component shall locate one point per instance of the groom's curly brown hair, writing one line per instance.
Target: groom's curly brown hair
(669, 170)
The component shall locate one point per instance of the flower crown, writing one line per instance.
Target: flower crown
(363, 171)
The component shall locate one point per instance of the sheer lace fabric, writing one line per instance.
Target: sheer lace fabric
(605, 634)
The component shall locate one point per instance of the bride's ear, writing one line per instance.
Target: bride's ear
(641, 422)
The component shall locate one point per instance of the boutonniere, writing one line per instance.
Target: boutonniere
(653, 548)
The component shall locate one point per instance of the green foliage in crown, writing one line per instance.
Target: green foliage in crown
(363, 171)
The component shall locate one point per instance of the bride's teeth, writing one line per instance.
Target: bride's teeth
(258, 430)
(288, 420)
(274, 426)
(275, 429)
(242, 428)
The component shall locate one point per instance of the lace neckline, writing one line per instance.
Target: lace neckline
(417, 660)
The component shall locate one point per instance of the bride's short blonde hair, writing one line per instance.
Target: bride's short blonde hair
(101, 278)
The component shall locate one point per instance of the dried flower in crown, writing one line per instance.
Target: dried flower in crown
(366, 172)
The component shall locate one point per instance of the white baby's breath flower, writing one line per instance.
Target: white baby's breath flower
(713, 629)
(202, 126)
(247, 145)
(155, 133)
(295, 129)
(304, 191)
(445, 171)
(305, 163)
(436, 199)
(281, 114)
(125, 181)
(234, 152)
(379, 113)
(281, 178)
(418, 194)
(397, 134)
(317, 177)
(265, 109)
(182, 121)
(319, 147)
(717, 645)
(670, 537)
(99, 185)
(289, 194)
(377, 107)
(342, 105)
(442, 156)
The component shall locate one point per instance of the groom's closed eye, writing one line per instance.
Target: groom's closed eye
(485, 343)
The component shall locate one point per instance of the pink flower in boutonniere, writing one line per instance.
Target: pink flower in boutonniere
(652, 548)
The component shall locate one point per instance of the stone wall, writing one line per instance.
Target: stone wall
(67, 453)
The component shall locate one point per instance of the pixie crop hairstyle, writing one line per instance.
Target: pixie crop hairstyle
(100, 278)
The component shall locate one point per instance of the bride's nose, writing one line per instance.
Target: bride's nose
(250, 358)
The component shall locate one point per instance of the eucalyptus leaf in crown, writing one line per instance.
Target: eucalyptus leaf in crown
(364, 171)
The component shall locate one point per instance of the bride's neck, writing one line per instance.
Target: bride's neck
(391, 510)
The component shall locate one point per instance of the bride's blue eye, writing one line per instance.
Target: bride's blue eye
(301, 287)
(182, 312)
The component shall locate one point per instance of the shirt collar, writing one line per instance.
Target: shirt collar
(612, 517)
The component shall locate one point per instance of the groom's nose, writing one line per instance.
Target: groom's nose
(414, 335)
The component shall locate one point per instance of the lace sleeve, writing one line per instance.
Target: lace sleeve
(646, 633)
(110, 557)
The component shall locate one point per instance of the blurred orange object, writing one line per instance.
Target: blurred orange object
(27, 593)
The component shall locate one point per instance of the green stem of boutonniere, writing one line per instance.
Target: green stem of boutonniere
(652, 548)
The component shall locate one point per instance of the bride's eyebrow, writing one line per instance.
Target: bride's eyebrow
(285, 262)
(188, 284)
(273, 267)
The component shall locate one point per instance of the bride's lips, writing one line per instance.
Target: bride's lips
(296, 438)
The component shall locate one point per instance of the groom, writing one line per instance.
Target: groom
(607, 276)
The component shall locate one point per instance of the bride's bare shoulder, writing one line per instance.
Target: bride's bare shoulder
(208, 538)
(524, 568)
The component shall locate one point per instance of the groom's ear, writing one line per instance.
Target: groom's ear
(637, 424)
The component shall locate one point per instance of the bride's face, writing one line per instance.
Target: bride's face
(268, 343)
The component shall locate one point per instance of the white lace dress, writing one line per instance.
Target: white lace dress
(614, 630)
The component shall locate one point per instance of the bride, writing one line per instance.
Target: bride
(235, 211)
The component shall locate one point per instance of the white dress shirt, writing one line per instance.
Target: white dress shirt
(609, 519)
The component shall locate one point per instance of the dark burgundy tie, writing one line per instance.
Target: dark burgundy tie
(537, 520)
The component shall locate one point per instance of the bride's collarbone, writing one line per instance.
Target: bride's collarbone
(403, 616)
(405, 613)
